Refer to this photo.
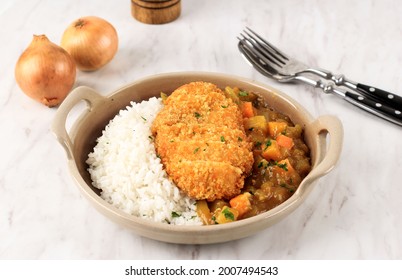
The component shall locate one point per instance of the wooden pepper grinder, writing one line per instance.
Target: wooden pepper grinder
(155, 11)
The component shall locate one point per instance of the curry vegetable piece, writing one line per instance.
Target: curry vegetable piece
(226, 215)
(204, 213)
(247, 109)
(256, 122)
(275, 128)
(272, 152)
(241, 203)
(284, 141)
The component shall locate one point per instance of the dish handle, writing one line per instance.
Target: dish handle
(329, 154)
(82, 93)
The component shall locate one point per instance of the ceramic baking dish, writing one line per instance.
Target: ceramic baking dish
(323, 135)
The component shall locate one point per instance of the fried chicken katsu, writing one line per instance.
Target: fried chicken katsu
(200, 138)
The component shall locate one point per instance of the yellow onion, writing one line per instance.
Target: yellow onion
(91, 41)
(45, 71)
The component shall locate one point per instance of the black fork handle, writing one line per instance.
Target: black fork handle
(375, 107)
(381, 95)
(365, 102)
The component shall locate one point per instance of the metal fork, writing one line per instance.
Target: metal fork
(288, 65)
(273, 63)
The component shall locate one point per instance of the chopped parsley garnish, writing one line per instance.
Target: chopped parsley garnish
(284, 166)
(224, 106)
(143, 118)
(240, 139)
(263, 163)
(257, 144)
(228, 214)
(214, 219)
(268, 143)
(197, 115)
(150, 137)
(289, 188)
(175, 214)
(243, 93)
(196, 149)
(270, 163)
(222, 139)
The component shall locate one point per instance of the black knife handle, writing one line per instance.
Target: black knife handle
(381, 95)
(375, 107)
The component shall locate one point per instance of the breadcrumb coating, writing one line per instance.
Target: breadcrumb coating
(200, 138)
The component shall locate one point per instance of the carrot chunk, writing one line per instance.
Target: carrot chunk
(241, 203)
(284, 141)
(272, 151)
(247, 109)
(285, 166)
(276, 128)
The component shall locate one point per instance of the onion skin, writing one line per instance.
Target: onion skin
(91, 41)
(45, 71)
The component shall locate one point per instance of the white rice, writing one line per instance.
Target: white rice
(125, 167)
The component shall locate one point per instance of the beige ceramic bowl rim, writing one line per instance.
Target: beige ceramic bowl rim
(330, 124)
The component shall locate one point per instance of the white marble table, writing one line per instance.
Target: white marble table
(353, 213)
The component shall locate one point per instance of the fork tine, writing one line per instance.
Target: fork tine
(255, 61)
(269, 45)
(261, 52)
(247, 45)
(257, 58)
